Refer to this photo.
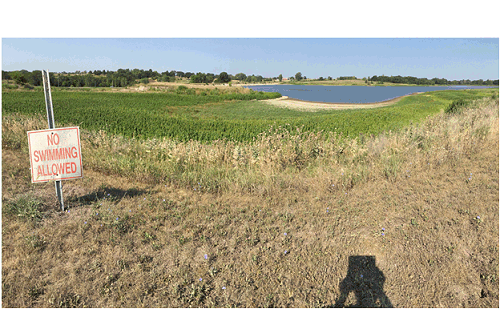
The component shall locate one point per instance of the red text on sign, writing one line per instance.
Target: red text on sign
(55, 154)
(56, 169)
(51, 139)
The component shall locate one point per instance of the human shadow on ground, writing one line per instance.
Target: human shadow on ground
(366, 281)
(109, 193)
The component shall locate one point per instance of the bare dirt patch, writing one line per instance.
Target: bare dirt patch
(189, 85)
(302, 105)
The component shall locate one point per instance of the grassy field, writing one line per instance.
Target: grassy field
(295, 218)
(207, 115)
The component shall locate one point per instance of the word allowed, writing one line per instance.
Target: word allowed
(55, 154)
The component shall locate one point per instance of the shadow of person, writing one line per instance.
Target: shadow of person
(366, 281)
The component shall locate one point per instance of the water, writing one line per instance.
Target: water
(352, 94)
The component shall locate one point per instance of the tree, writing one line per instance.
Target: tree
(35, 78)
(298, 76)
(18, 77)
(280, 77)
(224, 78)
(88, 80)
(6, 75)
(198, 78)
(209, 77)
(138, 73)
(240, 76)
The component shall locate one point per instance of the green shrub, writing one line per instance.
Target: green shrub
(9, 86)
(457, 106)
(25, 206)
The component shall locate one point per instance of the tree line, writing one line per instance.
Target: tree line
(127, 77)
(119, 78)
(434, 81)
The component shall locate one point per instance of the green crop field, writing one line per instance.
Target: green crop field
(208, 117)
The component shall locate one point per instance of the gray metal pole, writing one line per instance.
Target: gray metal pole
(50, 120)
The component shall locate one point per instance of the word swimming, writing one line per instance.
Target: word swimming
(55, 154)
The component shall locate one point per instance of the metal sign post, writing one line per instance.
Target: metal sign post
(50, 119)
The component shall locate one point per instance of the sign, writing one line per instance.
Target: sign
(55, 154)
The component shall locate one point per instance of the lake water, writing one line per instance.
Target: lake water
(351, 94)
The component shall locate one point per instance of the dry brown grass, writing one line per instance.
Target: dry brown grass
(332, 197)
(198, 88)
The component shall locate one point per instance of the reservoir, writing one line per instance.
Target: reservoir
(352, 94)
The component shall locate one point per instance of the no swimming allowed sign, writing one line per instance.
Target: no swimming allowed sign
(55, 154)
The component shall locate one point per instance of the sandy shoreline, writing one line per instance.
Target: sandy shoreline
(297, 104)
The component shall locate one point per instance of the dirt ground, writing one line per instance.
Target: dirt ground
(287, 102)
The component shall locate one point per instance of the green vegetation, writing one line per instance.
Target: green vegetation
(9, 86)
(457, 106)
(202, 78)
(226, 201)
(127, 77)
(347, 77)
(434, 81)
(211, 115)
(25, 206)
(224, 78)
(272, 223)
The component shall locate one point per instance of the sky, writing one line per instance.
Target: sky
(325, 38)
(450, 58)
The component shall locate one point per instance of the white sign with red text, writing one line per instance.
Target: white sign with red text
(55, 154)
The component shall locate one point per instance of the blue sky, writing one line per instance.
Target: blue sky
(450, 58)
(268, 38)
